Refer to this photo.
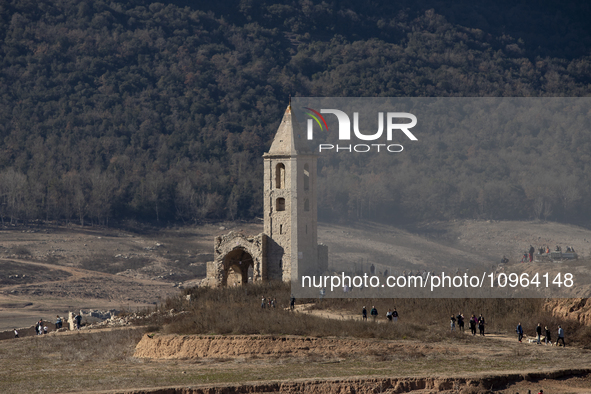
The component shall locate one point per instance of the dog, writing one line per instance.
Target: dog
(542, 340)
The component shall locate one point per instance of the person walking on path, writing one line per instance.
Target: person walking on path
(389, 315)
(548, 338)
(373, 313)
(452, 322)
(473, 325)
(539, 333)
(394, 315)
(460, 319)
(292, 302)
(15, 333)
(481, 324)
(560, 336)
(364, 314)
(519, 331)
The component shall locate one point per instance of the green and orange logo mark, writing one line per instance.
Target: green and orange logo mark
(315, 115)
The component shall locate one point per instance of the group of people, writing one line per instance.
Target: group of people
(528, 256)
(547, 335)
(473, 323)
(40, 328)
(391, 315)
(268, 302)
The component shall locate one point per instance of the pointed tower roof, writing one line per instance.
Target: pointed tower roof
(289, 139)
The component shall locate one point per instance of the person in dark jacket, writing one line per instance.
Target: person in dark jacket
(373, 313)
(460, 319)
(519, 331)
(481, 324)
(473, 325)
(548, 338)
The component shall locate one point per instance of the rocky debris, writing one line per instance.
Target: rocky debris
(165, 276)
(156, 246)
(131, 319)
(99, 314)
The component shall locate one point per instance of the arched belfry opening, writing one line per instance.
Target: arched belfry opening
(280, 176)
(238, 268)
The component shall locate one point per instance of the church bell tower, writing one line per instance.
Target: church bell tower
(290, 207)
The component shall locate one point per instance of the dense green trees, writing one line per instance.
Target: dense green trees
(161, 112)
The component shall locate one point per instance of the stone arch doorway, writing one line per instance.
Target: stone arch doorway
(238, 268)
(236, 259)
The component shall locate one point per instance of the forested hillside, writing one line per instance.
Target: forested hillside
(114, 110)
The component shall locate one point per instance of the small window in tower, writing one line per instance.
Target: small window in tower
(280, 204)
(306, 177)
(306, 205)
(280, 176)
(281, 229)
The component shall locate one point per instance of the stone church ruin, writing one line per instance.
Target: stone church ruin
(289, 243)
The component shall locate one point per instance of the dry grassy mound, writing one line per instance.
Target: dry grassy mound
(253, 346)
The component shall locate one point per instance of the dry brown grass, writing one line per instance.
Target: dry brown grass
(237, 310)
(501, 315)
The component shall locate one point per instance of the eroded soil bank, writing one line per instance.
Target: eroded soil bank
(572, 381)
(554, 375)
(268, 346)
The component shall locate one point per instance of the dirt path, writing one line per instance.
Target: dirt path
(23, 304)
(77, 274)
(343, 315)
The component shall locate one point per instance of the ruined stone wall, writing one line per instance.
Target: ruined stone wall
(255, 246)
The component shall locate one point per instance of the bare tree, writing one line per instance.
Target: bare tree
(538, 207)
(547, 210)
(184, 200)
(154, 187)
(14, 185)
(101, 196)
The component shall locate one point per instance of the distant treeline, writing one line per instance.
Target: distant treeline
(161, 113)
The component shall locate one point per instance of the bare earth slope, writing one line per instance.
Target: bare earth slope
(445, 245)
(51, 270)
